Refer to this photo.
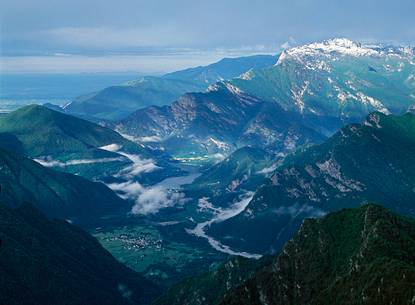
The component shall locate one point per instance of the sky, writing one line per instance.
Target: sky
(155, 36)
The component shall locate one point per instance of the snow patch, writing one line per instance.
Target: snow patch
(376, 104)
(340, 46)
(233, 89)
(219, 144)
(298, 96)
(373, 119)
(247, 75)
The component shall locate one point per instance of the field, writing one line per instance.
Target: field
(162, 251)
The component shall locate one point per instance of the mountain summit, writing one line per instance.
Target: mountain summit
(116, 102)
(308, 95)
(356, 256)
(353, 256)
(369, 162)
(337, 46)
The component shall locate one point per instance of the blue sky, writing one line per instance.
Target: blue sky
(163, 35)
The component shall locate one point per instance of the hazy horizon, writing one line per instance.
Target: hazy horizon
(158, 36)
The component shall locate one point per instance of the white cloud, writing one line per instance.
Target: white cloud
(139, 166)
(150, 139)
(111, 147)
(106, 37)
(154, 199)
(297, 209)
(148, 200)
(291, 42)
(49, 162)
(127, 190)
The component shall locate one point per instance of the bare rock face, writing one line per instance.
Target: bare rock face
(311, 92)
(222, 114)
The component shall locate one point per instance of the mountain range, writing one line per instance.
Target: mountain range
(308, 94)
(209, 288)
(353, 256)
(360, 256)
(338, 79)
(116, 102)
(275, 180)
(243, 170)
(75, 145)
(219, 121)
(368, 162)
(55, 193)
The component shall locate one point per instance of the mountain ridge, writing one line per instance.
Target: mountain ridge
(224, 114)
(55, 193)
(368, 162)
(320, 88)
(77, 146)
(351, 256)
(116, 102)
(45, 261)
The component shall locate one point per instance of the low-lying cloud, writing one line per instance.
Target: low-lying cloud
(49, 162)
(139, 166)
(297, 209)
(148, 200)
(156, 198)
(150, 139)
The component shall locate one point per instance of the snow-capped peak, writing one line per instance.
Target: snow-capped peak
(338, 46)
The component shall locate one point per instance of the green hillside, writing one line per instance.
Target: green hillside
(43, 131)
(209, 288)
(52, 262)
(55, 193)
(355, 256)
(74, 145)
(369, 162)
(241, 171)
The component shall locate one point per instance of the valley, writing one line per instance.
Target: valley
(265, 179)
(167, 244)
